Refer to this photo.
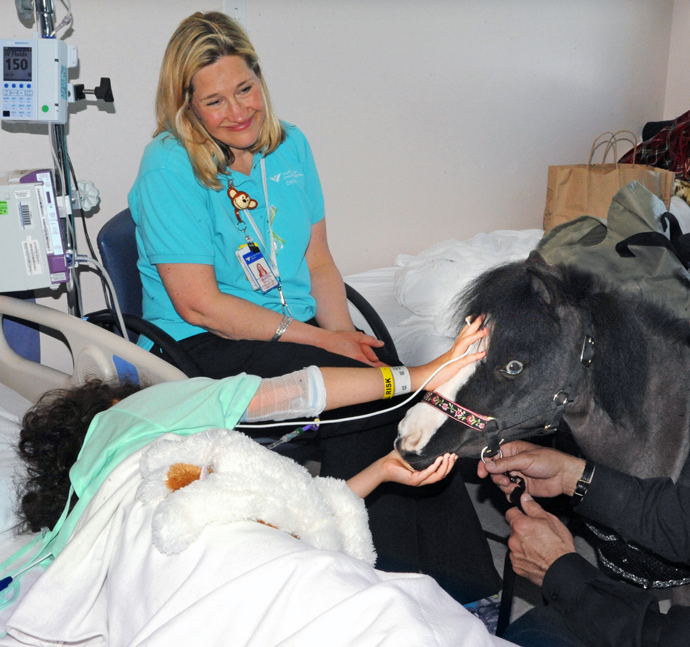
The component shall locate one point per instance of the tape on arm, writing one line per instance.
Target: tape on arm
(301, 394)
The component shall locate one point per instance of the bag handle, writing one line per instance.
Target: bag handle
(679, 243)
(612, 142)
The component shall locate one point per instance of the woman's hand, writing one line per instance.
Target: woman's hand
(392, 468)
(354, 344)
(470, 334)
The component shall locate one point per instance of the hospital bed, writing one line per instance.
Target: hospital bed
(95, 353)
(103, 354)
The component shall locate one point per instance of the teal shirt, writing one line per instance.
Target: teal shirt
(181, 221)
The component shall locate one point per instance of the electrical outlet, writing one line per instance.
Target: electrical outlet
(237, 10)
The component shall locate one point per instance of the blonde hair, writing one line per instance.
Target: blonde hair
(201, 40)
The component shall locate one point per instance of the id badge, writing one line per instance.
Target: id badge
(256, 268)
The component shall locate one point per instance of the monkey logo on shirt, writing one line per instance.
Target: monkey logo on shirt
(240, 200)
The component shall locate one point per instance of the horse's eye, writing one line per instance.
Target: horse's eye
(514, 367)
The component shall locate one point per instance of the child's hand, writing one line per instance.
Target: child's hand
(394, 468)
(470, 335)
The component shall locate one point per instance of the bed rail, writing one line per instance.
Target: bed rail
(95, 353)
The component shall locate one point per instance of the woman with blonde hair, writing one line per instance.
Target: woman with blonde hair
(218, 142)
(235, 265)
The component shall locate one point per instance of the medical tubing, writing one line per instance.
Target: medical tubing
(294, 434)
(106, 276)
(66, 21)
(361, 417)
(79, 206)
(71, 255)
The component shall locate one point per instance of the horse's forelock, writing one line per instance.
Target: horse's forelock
(507, 295)
(503, 291)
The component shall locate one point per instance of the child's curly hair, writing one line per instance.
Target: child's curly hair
(52, 434)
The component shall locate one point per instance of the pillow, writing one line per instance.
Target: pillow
(11, 412)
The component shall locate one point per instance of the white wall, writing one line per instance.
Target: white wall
(438, 119)
(429, 119)
(678, 83)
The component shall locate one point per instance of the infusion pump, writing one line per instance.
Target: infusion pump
(32, 246)
(34, 79)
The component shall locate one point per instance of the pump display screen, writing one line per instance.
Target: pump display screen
(16, 63)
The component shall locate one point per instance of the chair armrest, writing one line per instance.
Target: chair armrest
(180, 358)
(375, 322)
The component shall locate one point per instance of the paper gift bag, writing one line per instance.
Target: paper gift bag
(587, 189)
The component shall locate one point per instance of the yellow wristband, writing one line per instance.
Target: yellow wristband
(388, 383)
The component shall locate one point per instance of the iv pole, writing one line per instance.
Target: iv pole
(45, 21)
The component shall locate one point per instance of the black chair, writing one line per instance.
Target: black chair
(117, 245)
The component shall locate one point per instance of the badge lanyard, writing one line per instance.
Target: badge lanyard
(260, 281)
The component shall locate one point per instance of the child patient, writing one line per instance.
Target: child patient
(77, 436)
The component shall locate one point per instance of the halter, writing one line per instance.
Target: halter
(499, 431)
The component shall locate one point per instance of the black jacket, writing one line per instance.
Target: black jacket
(654, 513)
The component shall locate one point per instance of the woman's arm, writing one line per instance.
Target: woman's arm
(327, 285)
(194, 293)
(328, 290)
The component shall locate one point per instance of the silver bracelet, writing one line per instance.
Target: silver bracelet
(283, 326)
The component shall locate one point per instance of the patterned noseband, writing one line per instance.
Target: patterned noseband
(455, 411)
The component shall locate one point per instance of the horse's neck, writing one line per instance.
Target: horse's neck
(658, 444)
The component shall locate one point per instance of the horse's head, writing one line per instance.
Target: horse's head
(536, 337)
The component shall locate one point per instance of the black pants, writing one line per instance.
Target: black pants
(432, 529)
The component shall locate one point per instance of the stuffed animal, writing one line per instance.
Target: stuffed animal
(221, 476)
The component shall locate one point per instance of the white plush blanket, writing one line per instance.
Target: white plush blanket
(237, 584)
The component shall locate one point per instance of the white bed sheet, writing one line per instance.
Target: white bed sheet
(13, 408)
(415, 296)
(240, 583)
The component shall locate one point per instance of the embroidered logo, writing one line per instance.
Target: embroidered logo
(291, 177)
(276, 178)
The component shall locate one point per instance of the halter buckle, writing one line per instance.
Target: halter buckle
(488, 452)
(560, 398)
(587, 352)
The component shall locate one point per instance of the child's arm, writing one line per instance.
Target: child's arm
(346, 386)
(393, 468)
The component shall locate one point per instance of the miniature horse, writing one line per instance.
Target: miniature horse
(563, 345)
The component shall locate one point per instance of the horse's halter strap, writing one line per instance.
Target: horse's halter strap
(456, 412)
(515, 428)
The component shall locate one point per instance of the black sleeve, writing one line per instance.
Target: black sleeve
(654, 513)
(605, 613)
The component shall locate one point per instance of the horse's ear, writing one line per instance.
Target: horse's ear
(539, 272)
(539, 288)
(535, 258)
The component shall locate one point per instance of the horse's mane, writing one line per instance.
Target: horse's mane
(522, 302)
